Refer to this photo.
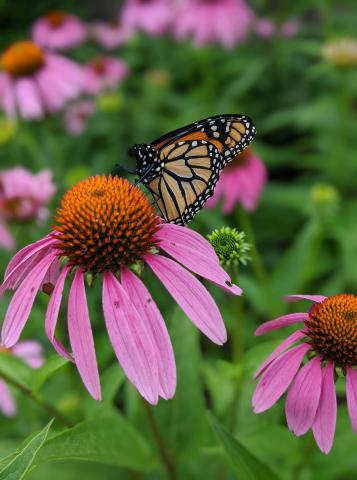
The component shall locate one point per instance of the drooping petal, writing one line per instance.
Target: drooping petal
(52, 314)
(81, 337)
(281, 322)
(52, 274)
(303, 397)
(22, 301)
(26, 252)
(190, 295)
(324, 424)
(147, 309)
(195, 253)
(297, 298)
(130, 338)
(277, 378)
(7, 403)
(30, 351)
(294, 337)
(351, 392)
(24, 262)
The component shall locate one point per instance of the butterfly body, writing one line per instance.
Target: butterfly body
(182, 168)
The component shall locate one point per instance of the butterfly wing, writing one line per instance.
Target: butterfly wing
(191, 171)
(230, 134)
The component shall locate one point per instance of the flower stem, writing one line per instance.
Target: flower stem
(42, 403)
(246, 225)
(165, 457)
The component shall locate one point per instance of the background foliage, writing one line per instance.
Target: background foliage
(305, 111)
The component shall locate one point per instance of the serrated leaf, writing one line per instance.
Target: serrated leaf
(246, 465)
(111, 440)
(22, 462)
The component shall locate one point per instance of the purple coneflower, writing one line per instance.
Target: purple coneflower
(59, 30)
(76, 116)
(34, 82)
(242, 181)
(103, 73)
(104, 226)
(109, 35)
(31, 352)
(329, 340)
(150, 16)
(208, 21)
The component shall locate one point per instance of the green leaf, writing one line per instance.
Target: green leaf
(15, 369)
(21, 463)
(246, 465)
(111, 440)
(40, 375)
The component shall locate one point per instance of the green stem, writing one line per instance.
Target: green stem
(165, 457)
(257, 263)
(237, 337)
(42, 403)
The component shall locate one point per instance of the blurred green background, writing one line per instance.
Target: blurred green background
(305, 108)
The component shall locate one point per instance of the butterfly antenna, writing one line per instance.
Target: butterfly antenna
(118, 170)
(145, 174)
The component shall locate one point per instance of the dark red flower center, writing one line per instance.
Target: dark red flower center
(56, 18)
(332, 329)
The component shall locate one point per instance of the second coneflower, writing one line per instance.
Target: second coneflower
(105, 225)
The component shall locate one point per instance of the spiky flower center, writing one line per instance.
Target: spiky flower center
(105, 222)
(22, 58)
(332, 329)
(230, 246)
(56, 18)
(99, 65)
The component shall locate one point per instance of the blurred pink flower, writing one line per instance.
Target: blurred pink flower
(224, 21)
(59, 30)
(31, 352)
(105, 225)
(24, 195)
(242, 181)
(76, 116)
(289, 28)
(329, 339)
(34, 82)
(103, 73)
(150, 16)
(264, 27)
(6, 239)
(109, 34)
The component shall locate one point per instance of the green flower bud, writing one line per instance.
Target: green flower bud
(230, 246)
(324, 199)
(7, 130)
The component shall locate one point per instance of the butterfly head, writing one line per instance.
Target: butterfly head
(148, 163)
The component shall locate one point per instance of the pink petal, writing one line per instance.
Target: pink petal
(297, 298)
(23, 262)
(81, 337)
(303, 397)
(195, 253)
(28, 98)
(7, 404)
(22, 301)
(30, 351)
(281, 322)
(190, 295)
(325, 420)
(52, 314)
(147, 309)
(6, 239)
(294, 337)
(131, 339)
(52, 273)
(277, 378)
(351, 391)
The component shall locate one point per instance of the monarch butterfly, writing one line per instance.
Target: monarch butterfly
(181, 168)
